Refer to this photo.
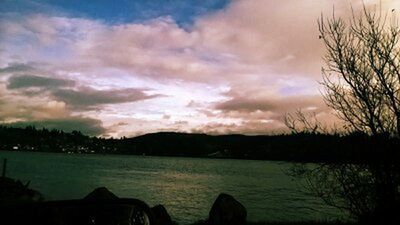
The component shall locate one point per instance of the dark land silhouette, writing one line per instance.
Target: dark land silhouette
(301, 147)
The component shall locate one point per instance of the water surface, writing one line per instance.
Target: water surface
(187, 187)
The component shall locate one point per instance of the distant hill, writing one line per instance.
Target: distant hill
(300, 147)
(294, 147)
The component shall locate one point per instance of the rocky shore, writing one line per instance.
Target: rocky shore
(226, 210)
(14, 191)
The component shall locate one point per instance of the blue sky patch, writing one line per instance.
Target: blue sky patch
(117, 11)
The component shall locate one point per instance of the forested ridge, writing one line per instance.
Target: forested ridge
(304, 147)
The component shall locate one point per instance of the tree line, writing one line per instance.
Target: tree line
(298, 147)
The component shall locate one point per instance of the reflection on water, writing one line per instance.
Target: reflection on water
(187, 187)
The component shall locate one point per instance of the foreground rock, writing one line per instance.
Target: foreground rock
(13, 191)
(100, 193)
(226, 210)
(161, 215)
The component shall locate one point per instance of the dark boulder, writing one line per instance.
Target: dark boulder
(161, 215)
(100, 193)
(14, 191)
(226, 210)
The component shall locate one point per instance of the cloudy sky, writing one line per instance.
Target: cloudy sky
(128, 67)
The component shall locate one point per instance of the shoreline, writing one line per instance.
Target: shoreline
(173, 156)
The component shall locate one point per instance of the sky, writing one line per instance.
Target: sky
(116, 68)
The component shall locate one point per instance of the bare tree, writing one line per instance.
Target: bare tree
(362, 73)
(361, 80)
(302, 122)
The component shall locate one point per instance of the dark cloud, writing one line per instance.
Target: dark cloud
(16, 67)
(86, 125)
(27, 81)
(245, 104)
(76, 97)
(89, 97)
(264, 114)
(281, 105)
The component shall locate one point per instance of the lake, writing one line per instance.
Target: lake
(187, 187)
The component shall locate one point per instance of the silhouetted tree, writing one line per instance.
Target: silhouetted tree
(362, 73)
(362, 84)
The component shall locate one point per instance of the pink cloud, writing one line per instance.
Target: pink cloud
(239, 69)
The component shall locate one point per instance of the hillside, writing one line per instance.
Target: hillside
(294, 147)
